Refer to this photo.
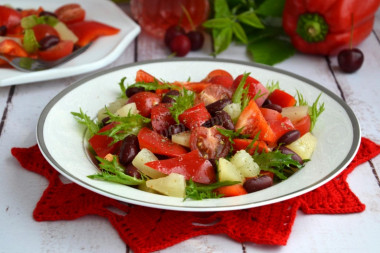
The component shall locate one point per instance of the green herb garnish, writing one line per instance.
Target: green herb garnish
(315, 110)
(84, 119)
(240, 95)
(231, 134)
(200, 191)
(182, 102)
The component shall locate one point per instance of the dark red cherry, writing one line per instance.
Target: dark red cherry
(180, 45)
(196, 39)
(350, 60)
(171, 33)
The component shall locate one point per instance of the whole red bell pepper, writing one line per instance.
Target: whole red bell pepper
(324, 27)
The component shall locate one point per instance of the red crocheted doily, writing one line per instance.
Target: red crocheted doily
(147, 229)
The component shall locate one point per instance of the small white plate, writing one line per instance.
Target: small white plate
(61, 139)
(102, 52)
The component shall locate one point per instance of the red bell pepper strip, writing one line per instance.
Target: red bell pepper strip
(159, 144)
(231, 190)
(324, 27)
(102, 143)
(12, 48)
(282, 98)
(191, 166)
(240, 144)
(194, 116)
(87, 31)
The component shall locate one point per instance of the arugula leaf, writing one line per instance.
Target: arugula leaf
(231, 134)
(198, 191)
(271, 50)
(315, 110)
(131, 124)
(273, 86)
(84, 119)
(122, 88)
(278, 163)
(240, 95)
(182, 103)
(114, 172)
(155, 85)
(301, 100)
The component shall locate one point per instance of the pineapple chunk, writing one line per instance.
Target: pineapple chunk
(65, 33)
(143, 187)
(143, 157)
(233, 110)
(112, 107)
(182, 139)
(295, 113)
(173, 185)
(243, 161)
(304, 146)
(127, 109)
(228, 171)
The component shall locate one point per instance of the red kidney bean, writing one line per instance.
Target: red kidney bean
(174, 129)
(289, 137)
(105, 121)
(288, 151)
(257, 183)
(48, 42)
(129, 149)
(47, 13)
(221, 118)
(167, 97)
(218, 105)
(275, 107)
(132, 171)
(130, 91)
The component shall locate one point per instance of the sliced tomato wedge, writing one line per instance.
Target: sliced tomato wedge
(9, 17)
(196, 86)
(280, 127)
(270, 114)
(88, 31)
(225, 81)
(216, 72)
(145, 101)
(240, 144)
(303, 125)
(282, 98)
(43, 30)
(161, 118)
(213, 93)
(142, 76)
(210, 143)
(231, 190)
(191, 166)
(253, 122)
(254, 88)
(58, 51)
(194, 116)
(102, 143)
(12, 48)
(159, 144)
(70, 13)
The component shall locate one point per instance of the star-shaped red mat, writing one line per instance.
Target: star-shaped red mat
(147, 229)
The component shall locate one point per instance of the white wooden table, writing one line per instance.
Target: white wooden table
(20, 190)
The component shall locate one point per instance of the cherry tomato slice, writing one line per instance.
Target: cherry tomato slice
(161, 118)
(303, 125)
(210, 143)
(43, 30)
(190, 165)
(70, 13)
(145, 101)
(9, 17)
(225, 81)
(282, 98)
(213, 93)
(58, 51)
(216, 72)
(255, 87)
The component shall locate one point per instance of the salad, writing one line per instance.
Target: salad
(47, 35)
(218, 137)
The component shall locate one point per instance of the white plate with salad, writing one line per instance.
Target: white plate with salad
(102, 52)
(65, 143)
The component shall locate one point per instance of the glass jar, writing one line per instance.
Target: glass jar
(155, 16)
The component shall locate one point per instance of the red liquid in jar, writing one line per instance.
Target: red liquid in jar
(155, 16)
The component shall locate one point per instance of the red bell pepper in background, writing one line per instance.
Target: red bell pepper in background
(159, 144)
(324, 27)
(190, 165)
(87, 31)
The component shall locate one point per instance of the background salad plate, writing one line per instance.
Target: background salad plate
(61, 138)
(102, 52)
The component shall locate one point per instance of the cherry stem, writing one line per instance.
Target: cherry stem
(188, 17)
(352, 30)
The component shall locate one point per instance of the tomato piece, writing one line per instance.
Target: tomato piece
(213, 93)
(142, 76)
(159, 144)
(58, 51)
(190, 165)
(12, 48)
(145, 101)
(252, 121)
(28, 12)
(216, 72)
(43, 30)
(210, 143)
(194, 116)
(9, 17)
(88, 31)
(270, 114)
(102, 143)
(240, 144)
(280, 127)
(254, 87)
(225, 81)
(70, 13)
(161, 118)
(303, 125)
(282, 98)
(231, 190)
(196, 86)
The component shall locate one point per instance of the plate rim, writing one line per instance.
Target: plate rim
(343, 164)
(56, 73)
